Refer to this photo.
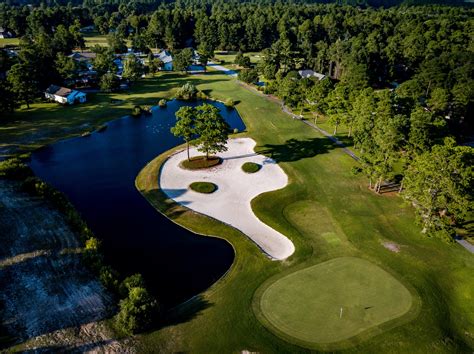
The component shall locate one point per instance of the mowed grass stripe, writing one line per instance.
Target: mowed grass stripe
(307, 304)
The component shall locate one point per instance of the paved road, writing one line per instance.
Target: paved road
(466, 245)
(223, 69)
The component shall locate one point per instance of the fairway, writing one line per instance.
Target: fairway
(334, 301)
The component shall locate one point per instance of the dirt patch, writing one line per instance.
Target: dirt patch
(392, 246)
(46, 293)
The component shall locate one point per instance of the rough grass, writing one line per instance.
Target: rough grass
(333, 301)
(201, 162)
(251, 167)
(203, 187)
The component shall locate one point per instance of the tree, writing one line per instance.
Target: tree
(242, 60)
(185, 125)
(104, 60)
(23, 82)
(136, 311)
(424, 128)
(337, 106)
(109, 82)
(66, 66)
(249, 76)
(8, 100)
(182, 59)
(132, 68)
(187, 92)
(116, 43)
(439, 183)
(212, 130)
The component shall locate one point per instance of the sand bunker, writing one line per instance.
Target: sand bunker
(231, 202)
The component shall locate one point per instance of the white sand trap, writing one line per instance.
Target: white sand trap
(230, 203)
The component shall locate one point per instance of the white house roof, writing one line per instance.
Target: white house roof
(310, 73)
(165, 56)
(63, 91)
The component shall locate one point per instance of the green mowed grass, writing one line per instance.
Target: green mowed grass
(9, 41)
(334, 301)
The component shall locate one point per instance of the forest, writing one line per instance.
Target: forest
(400, 79)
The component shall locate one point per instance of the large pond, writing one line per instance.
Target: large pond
(98, 172)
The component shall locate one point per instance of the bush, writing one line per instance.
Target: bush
(136, 311)
(147, 110)
(109, 278)
(202, 96)
(162, 102)
(251, 167)
(356, 170)
(92, 244)
(133, 281)
(15, 169)
(187, 92)
(203, 187)
(136, 111)
(229, 103)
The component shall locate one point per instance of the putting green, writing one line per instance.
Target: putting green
(333, 301)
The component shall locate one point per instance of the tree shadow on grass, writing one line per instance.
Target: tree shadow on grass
(295, 150)
(184, 312)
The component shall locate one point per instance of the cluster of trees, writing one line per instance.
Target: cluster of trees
(202, 126)
(366, 46)
(37, 63)
(399, 137)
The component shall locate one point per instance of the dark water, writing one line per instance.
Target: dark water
(97, 173)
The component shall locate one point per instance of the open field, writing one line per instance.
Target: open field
(228, 58)
(325, 211)
(95, 38)
(333, 301)
(48, 299)
(91, 39)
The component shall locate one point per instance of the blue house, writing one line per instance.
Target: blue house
(167, 60)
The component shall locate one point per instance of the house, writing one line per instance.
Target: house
(167, 60)
(305, 74)
(5, 34)
(64, 95)
(84, 58)
(119, 64)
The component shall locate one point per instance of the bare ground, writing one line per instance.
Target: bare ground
(47, 297)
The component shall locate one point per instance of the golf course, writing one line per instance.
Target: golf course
(332, 301)
(344, 237)
(362, 277)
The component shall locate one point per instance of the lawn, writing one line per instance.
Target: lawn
(9, 42)
(228, 58)
(333, 301)
(95, 38)
(326, 211)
